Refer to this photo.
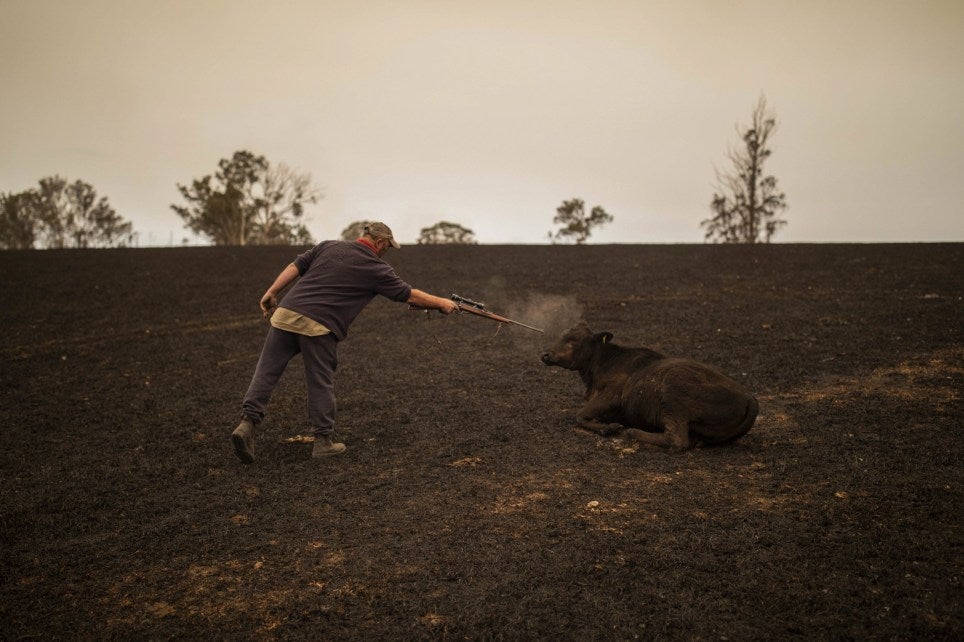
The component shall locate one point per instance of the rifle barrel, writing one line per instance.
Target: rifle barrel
(529, 327)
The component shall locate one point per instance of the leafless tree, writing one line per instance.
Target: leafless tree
(746, 206)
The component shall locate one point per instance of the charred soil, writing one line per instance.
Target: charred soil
(467, 505)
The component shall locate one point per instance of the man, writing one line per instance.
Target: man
(338, 279)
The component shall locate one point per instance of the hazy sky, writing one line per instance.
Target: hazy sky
(491, 113)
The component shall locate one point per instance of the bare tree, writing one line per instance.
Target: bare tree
(280, 207)
(249, 202)
(746, 206)
(576, 224)
(445, 232)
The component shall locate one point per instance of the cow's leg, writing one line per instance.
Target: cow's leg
(594, 414)
(676, 434)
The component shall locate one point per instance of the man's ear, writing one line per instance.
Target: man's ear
(604, 337)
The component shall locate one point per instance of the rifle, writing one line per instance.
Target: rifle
(478, 309)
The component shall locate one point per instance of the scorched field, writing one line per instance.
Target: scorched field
(468, 505)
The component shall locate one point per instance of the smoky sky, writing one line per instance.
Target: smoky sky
(491, 114)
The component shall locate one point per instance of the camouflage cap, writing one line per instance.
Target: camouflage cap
(381, 231)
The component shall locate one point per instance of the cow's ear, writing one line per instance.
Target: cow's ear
(604, 337)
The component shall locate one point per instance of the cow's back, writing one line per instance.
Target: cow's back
(715, 406)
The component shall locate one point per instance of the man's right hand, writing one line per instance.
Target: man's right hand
(421, 299)
(447, 306)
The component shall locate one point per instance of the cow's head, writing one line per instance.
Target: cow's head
(575, 348)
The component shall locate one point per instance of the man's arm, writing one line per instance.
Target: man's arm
(425, 300)
(270, 299)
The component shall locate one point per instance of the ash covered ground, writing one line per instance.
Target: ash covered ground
(468, 506)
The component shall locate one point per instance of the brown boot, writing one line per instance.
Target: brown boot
(243, 440)
(324, 447)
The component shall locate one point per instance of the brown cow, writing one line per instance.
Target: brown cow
(659, 400)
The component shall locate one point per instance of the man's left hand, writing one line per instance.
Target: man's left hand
(268, 303)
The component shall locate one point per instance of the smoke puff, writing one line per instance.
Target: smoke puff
(553, 313)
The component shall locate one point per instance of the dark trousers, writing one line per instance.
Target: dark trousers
(320, 355)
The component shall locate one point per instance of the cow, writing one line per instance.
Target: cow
(665, 401)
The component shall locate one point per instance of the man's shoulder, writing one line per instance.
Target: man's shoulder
(334, 246)
(352, 252)
(354, 245)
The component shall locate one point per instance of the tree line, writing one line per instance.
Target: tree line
(249, 201)
(60, 214)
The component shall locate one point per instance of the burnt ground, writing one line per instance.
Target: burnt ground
(468, 506)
